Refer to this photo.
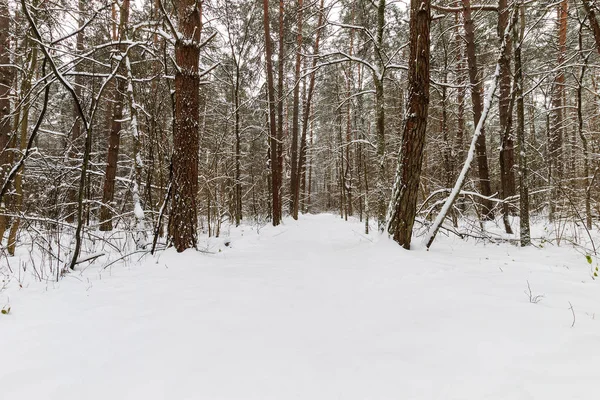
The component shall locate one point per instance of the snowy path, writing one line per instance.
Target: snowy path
(310, 310)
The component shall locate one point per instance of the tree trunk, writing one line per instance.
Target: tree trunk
(557, 128)
(296, 114)
(184, 222)
(460, 95)
(584, 139)
(20, 142)
(447, 150)
(347, 166)
(138, 210)
(306, 203)
(76, 131)
(507, 176)
(306, 116)
(591, 14)
(6, 81)
(380, 123)
(238, 153)
(280, 96)
(520, 131)
(476, 92)
(114, 138)
(403, 205)
(272, 120)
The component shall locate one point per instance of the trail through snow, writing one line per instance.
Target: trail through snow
(313, 309)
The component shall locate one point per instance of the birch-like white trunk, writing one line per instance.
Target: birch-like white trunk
(430, 237)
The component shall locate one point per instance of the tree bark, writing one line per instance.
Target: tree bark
(525, 233)
(403, 204)
(275, 186)
(296, 114)
(347, 166)
(507, 176)
(380, 122)
(114, 138)
(590, 10)
(238, 152)
(6, 81)
(459, 152)
(280, 96)
(583, 137)
(184, 222)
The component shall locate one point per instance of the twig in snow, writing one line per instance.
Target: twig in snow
(533, 298)
(125, 256)
(572, 311)
(90, 257)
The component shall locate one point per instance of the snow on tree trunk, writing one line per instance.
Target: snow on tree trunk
(138, 210)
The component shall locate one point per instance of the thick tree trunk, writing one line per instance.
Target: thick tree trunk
(403, 205)
(114, 138)
(476, 91)
(184, 222)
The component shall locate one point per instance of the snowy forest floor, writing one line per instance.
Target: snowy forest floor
(313, 309)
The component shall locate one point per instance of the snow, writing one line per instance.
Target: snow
(313, 309)
(138, 211)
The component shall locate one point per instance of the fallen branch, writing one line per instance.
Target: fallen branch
(470, 155)
(91, 257)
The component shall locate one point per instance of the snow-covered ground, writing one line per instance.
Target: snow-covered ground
(310, 310)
